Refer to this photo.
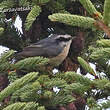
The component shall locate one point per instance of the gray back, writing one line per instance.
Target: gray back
(48, 47)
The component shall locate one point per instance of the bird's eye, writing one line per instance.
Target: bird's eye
(63, 39)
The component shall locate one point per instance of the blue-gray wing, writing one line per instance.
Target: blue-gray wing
(46, 48)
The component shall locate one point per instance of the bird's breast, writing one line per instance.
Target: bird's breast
(61, 57)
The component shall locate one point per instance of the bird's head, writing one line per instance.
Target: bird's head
(64, 39)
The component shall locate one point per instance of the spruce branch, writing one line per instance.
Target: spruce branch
(91, 9)
(48, 94)
(6, 56)
(17, 85)
(102, 54)
(57, 6)
(105, 105)
(2, 17)
(27, 92)
(72, 77)
(73, 20)
(41, 108)
(92, 104)
(4, 67)
(99, 34)
(86, 66)
(55, 82)
(7, 4)
(24, 3)
(32, 16)
(95, 108)
(102, 84)
(31, 63)
(1, 31)
(61, 99)
(77, 88)
(15, 106)
(5, 61)
(39, 2)
(22, 106)
(104, 43)
(12, 76)
(106, 16)
(31, 106)
(43, 78)
(100, 25)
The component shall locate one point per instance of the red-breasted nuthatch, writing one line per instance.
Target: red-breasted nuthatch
(55, 48)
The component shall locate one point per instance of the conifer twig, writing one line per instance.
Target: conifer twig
(86, 66)
(106, 16)
(91, 9)
(17, 84)
(73, 20)
(100, 24)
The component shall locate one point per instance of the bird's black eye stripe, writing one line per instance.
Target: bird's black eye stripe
(63, 39)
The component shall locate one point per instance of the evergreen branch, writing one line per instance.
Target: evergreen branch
(48, 94)
(91, 9)
(41, 108)
(106, 16)
(57, 6)
(76, 88)
(40, 1)
(12, 76)
(104, 43)
(86, 66)
(92, 104)
(102, 84)
(22, 106)
(15, 106)
(31, 63)
(43, 78)
(24, 3)
(27, 92)
(2, 17)
(73, 20)
(63, 2)
(72, 77)
(17, 85)
(1, 31)
(56, 82)
(99, 34)
(100, 54)
(61, 99)
(31, 106)
(32, 16)
(100, 25)
(7, 4)
(6, 56)
(95, 108)
(105, 105)
(4, 67)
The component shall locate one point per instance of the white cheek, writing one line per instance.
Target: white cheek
(64, 44)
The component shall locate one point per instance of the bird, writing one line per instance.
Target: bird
(55, 48)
